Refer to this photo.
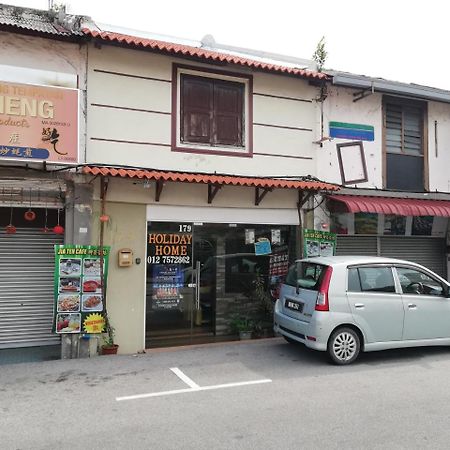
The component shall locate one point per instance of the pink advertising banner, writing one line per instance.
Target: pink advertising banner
(38, 123)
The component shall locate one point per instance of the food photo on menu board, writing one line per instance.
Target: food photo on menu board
(68, 323)
(91, 266)
(92, 284)
(91, 302)
(70, 267)
(69, 284)
(68, 302)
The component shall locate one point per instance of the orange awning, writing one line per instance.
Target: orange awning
(385, 205)
(186, 177)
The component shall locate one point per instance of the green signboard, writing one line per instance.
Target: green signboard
(79, 287)
(318, 243)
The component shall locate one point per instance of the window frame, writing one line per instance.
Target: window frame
(373, 266)
(247, 128)
(424, 108)
(429, 275)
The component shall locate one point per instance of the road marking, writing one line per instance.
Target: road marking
(184, 377)
(183, 391)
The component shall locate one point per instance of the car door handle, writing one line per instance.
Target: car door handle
(359, 305)
(412, 306)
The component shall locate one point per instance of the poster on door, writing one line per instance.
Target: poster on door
(168, 279)
(169, 263)
(78, 289)
(318, 243)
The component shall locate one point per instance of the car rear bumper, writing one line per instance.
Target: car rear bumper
(298, 330)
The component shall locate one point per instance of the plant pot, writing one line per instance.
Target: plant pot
(109, 349)
(245, 335)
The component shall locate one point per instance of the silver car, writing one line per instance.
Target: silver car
(347, 304)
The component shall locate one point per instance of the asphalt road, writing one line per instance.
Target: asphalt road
(387, 400)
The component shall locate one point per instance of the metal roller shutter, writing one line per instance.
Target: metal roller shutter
(357, 245)
(26, 288)
(429, 252)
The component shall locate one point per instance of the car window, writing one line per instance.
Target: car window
(371, 279)
(305, 275)
(418, 283)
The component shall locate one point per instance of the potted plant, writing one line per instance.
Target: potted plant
(109, 347)
(243, 326)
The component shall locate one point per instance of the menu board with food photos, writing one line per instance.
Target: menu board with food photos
(79, 301)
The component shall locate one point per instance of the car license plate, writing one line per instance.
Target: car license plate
(295, 306)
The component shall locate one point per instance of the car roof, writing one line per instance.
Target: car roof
(356, 259)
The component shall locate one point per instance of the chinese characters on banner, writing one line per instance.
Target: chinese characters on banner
(78, 290)
(38, 123)
(278, 268)
(318, 243)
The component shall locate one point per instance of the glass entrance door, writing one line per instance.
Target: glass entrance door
(180, 298)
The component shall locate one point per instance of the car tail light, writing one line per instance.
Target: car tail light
(322, 295)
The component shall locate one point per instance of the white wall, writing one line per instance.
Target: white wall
(339, 106)
(439, 158)
(119, 134)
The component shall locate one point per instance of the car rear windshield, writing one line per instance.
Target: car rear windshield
(305, 275)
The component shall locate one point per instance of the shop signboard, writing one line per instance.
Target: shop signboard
(38, 123)
(79, 303)
(318, 243)
(169, 256)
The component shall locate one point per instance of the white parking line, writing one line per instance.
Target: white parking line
(192, 389)
(184, 377)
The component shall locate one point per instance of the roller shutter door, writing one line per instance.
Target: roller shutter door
(26, 288)
(427, 251)
(357, 245)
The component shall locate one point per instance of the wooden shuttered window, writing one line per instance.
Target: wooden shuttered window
(404, 144)
(404, 129)
(211, 111)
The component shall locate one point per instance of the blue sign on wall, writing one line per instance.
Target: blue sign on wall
(352, 131)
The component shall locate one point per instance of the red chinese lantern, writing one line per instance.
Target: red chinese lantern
(104, 218)
(30, 215)
(11, 229)
(58, 229)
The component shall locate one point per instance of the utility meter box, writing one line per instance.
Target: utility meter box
(125, 257)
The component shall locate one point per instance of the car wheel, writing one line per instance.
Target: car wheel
(290, 340)
(344, 346)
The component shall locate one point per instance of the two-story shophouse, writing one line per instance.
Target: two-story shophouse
(204, 163)
(42, 128)
(388, 144)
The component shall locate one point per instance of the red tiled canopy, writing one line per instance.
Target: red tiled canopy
(397, 206)
(187, 50)
(210, 179)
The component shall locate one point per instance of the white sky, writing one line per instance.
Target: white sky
(399, 40)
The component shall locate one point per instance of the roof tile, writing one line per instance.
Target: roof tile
(187, 50)
(187, 177)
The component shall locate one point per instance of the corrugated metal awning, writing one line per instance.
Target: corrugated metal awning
(186, 177)
(385, 205)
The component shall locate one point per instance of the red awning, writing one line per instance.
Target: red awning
(187, 177)
(397, 206)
